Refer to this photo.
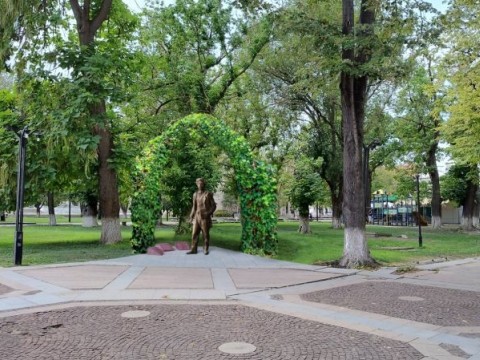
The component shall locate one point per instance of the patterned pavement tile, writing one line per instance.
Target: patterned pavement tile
(432, 305)
(185, 332)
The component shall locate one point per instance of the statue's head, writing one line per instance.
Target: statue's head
(200, 183)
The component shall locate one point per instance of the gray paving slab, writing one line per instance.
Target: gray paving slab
(123, 280)
(222, 280)
(218, 258)
(173, 278)
(466, 274)
(76, 277)
(29, 282)
(4, 289)
(265, 278)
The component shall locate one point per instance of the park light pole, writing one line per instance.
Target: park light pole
(18, 237)
(420, 240)
(388, 208)
(409, 211)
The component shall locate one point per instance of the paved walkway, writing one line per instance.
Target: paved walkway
(229, 305)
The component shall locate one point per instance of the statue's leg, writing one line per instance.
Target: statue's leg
(206, 236)
(195, 233)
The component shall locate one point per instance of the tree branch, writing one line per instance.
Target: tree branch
(77, 11)
(102, 15)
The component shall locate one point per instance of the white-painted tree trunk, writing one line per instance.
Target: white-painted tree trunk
(436, 222)
(52, 220)
(355, 249)
(89, 221)
(111, 231)
(476, 214)
(467, 223)
(304, 225)
(336, 223)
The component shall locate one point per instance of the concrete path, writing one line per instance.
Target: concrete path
(231, 305)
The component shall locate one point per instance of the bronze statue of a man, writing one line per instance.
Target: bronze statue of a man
(203, 208)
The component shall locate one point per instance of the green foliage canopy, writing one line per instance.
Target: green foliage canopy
(307, 186)
(462, 128)
(456, 181)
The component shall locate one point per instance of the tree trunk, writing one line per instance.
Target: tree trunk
(476, 213)
(38, 208)
(51, 209)
(435, 181)
(367, 176)
(355, 251)
(304, 221)
(89, 212)
(469, 206)
(353, 97)
(337, 205)
(109, 200)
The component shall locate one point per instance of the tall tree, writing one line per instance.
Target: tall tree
(299, 67)
(371, 52)
(420, 107)
(463, 73)
(89, 18)
(353, 87)
(461, 184)
(88, 63)
(305, 189)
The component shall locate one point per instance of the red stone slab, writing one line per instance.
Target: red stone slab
(165, 247)
(182, 245)
(153, 250)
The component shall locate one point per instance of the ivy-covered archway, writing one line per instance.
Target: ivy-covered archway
(255, 181)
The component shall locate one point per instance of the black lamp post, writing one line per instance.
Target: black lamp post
(18, 238)
(409, 211)
(420, 240)
(388, 209)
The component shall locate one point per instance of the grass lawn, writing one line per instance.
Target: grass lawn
(399, 249)
(45, 244)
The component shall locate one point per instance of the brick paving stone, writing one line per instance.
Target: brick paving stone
(185, 332)
(445, 307)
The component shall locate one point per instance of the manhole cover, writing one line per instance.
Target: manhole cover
(135, 314)
(411, 298)
(237, 348)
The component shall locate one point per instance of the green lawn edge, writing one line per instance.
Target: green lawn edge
(391, 246)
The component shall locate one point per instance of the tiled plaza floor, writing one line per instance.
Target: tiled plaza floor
(230, 305)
